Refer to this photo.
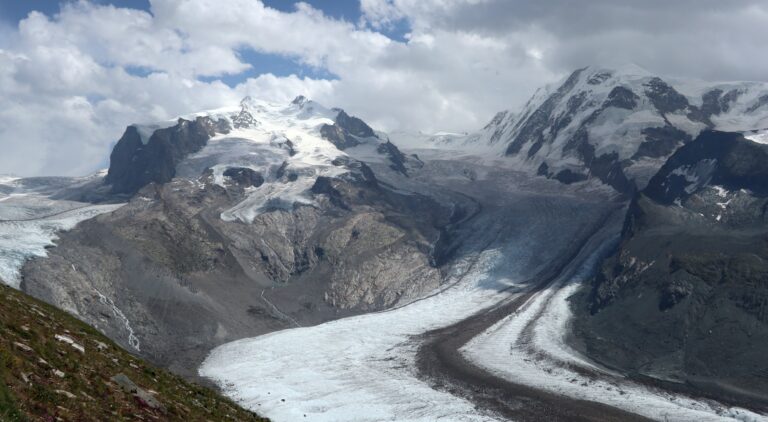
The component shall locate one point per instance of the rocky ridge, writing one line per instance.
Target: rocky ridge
(616, 125)
(684, 298)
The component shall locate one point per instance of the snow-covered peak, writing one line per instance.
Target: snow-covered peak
(278, 150)
(244, 103)
(626, 69)
(602, 78)
(307, 109)
(246, 113)
(300, 100)
(617, 124)
(300, 107)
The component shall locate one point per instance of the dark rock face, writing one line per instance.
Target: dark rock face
(599, 78)
(606, 167)
(243, 120)
(714, 158)
(361, 174)
(661, 141)
(244, 176)
(353, 125)
(498, 118)
(287, 145)
(396, 157)
(499, 124)
(325, 186)
(541, 118)
(338, 136)
(543, 170)
(685, 297)
(348, 132)
(665, 98)
(761, 102)
(134, 164)
(621, 97)
(713, 103)
(284, 173)
(560, 122)
(568, 176)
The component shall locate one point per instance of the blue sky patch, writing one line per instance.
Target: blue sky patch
(276, 64)
(140, 71)
(12, 11)
(348, 10)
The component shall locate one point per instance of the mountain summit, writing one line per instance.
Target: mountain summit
(618, 125)
(302, 139)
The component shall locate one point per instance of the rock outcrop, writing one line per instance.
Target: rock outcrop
(140, 158)
(685, 297)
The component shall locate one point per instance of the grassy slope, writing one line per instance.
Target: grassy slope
(46, 379)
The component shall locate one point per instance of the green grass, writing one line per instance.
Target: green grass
(9, 410)
(42, 378)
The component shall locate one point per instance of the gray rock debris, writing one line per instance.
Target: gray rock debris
(143, 396)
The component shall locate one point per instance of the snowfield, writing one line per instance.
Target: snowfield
(275, 140)
(759, 136)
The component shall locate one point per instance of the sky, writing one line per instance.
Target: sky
(75, 73)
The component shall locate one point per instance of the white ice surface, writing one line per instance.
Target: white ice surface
(29, 221)
(354, 369)
(529, 347)
(363, 368)
(761, 137)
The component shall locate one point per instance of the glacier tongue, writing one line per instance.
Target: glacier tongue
(29, 222)
(364, 368)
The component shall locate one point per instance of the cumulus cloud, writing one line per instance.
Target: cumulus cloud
(708, 39)
(71, 82)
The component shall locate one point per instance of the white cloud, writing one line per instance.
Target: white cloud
(69, 86)
(380, 13)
